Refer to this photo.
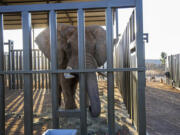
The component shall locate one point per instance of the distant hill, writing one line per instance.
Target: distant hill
(153, 61)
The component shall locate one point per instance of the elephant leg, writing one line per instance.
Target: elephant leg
(68, 88)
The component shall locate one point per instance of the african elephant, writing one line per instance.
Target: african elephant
(67, 42)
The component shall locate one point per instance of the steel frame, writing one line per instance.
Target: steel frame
(27, 71)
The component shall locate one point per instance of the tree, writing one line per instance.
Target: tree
(163, 58)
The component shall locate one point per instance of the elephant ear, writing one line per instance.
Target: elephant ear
(43, 42)
(99, 35)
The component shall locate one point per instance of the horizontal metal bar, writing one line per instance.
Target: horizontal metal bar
(6, 43)
(58, 18)
(73, 71)
(69, 113)
(69, 6)
(60, 12)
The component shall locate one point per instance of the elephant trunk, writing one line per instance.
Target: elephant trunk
(93, 93)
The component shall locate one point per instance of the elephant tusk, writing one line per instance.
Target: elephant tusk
(68, 75)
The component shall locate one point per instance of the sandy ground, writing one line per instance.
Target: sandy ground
(162, 109)
(42, 114)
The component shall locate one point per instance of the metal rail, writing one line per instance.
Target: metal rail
(72, 71)
(69, 6)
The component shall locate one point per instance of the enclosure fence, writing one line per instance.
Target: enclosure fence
(173, 67)
(133, 67)
(13, 61)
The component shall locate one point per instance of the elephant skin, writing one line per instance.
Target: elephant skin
(67, 50)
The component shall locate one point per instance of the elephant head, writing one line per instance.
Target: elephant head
(95, 44)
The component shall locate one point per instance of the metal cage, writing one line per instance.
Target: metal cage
(131, 72)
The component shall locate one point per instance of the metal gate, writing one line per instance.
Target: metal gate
(135, 65)
(173, 67)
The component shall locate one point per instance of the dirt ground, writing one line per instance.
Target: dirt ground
(162, 112)
(42, 114)
(162, 109)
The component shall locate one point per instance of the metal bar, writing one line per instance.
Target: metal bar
(18, 69)
(13, 77)
(27, 61)
(81, 62)
(53, 41)
(140, 63)
(42, 60)
(69, 113)
(38, 69)
(49, 75)
(32, 65)
(16, 57)
(117, 23)
(35, 67)
(74, 71)
(2, 91)
(70, 6)
(46, 75)
(21, 67)
(110, 77)
(9, 62)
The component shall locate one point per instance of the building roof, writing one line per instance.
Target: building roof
(41, 19)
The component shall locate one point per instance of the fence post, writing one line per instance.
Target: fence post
(9, 62)
(12, 67)
(27, 62)
(2, 94)
(53, 41)
(141, 125)
(81, 58)
(110, 76)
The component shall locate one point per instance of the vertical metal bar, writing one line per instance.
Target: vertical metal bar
(49, 76)
(9, 61)
(15, 66)
(46, 73)
(141, 74)
(13, 76)
(81, 57)
(117, 23)
(27, 61)
(38, 57)
(2, 92)
(32, 52)
(110, 76)
(53, 41)
(42, 67)
(35, 75)
(21, 67)
(17, 69)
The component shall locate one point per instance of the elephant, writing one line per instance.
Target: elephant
(67, 48)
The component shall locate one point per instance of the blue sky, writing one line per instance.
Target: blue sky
(161, 21)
